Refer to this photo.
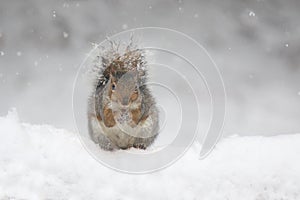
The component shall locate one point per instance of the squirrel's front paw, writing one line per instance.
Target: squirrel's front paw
(140, 146)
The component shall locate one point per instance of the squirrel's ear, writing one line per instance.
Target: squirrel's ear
(135, 70)
(136, 73)
(112, 71)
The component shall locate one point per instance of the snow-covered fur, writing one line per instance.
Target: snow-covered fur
(122, 112)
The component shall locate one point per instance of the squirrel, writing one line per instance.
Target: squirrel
(122, 112)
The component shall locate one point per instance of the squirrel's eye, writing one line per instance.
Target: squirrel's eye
(113, 86)
(136, 89)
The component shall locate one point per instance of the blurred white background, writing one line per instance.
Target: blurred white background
(256, 45)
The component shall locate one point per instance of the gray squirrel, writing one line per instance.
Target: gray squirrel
(122, 112)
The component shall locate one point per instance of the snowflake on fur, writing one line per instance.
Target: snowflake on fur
(119, 58)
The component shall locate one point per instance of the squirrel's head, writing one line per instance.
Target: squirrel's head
(124, 90)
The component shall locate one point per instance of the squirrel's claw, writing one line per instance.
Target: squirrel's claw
(140, 146)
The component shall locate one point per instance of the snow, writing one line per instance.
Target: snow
(36, 63)
(54, 14)
(65, 34)
(124, 26)
(42, 162)
(251, 14)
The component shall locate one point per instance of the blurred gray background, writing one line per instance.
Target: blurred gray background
(255, 43)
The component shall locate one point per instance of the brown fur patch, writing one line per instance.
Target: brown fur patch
(109, 120)
(136, 115)
(134, 96)
(99, 117)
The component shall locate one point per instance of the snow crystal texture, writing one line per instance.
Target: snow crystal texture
(42, 162)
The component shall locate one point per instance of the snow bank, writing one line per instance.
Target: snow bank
(41, 162)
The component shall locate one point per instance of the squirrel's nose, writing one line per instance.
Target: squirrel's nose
(123, 110)
(125, 101)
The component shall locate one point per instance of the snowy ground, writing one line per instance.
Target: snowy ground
(42, 162)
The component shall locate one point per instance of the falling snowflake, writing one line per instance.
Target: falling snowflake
(124, 26)
(252, 14)
(66, 5)
(2, 53)
(286, 45)
(65, 34)
(36, 63)
(54, 13)
(19, 53)
(196, 15)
